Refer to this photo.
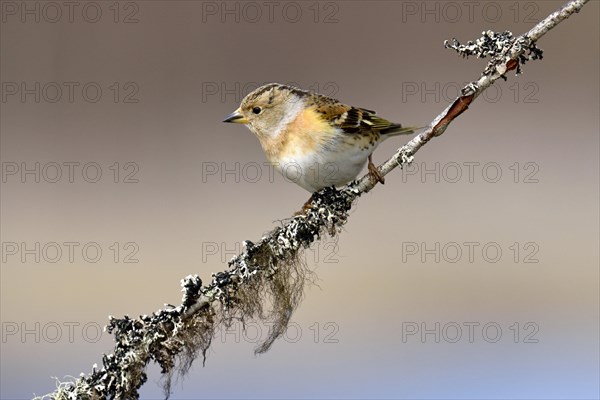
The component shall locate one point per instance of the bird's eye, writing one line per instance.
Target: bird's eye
(256, 110)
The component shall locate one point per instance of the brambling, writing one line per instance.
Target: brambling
(314, 140)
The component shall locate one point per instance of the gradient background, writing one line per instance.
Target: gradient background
(370, 54)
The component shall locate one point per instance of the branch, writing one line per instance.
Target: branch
(270, 271)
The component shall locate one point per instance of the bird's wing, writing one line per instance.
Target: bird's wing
(354, 120)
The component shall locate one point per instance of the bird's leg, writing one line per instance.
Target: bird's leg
(374, 172)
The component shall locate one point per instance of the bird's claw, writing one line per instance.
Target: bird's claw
(374, 172)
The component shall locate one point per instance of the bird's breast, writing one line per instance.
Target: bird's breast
(304, 134)
(315, 154)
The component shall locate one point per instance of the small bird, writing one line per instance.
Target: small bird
(314, 140)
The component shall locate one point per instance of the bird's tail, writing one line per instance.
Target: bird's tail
(397, 129)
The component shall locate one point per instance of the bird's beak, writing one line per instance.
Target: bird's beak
(236, 117)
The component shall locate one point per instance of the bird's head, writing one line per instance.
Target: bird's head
(268, 109)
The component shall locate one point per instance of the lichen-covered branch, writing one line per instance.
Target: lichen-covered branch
(266, 281)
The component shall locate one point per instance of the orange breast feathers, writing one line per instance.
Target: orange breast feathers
(307, 133)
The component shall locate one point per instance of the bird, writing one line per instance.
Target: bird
(314, 140)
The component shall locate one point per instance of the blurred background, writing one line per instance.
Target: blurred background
(472, 273)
